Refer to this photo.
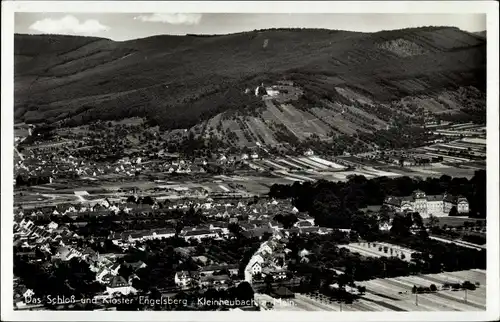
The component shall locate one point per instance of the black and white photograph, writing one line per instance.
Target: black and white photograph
(239, 163)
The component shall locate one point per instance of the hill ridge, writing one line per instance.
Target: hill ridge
(183, 81)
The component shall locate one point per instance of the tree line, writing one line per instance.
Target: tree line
(334, 203)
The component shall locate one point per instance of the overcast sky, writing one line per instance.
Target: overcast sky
(124, 26)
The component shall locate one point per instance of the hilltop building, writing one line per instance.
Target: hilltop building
(260, 90)
(425, 205)
(309, 153)
(272, 91)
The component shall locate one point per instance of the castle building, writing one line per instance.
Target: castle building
(426, 205)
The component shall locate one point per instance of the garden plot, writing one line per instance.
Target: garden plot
(386, 305)
(458, 242)
(302, 121)
(262, 131)
(462, 145)
(233, 126)
(274, 115)
(313, 122)
(326, 162)
(303, 164)
(437, 300)
(447, 298)
(254, 166)
(309, 303)
(294, 176)
(476, 298)
(450, 146)
(335, 120)
(343, 176)
(276, 165)
(213, 124)
(351, 95)
(376, 249)
(396, 293)
(378, 123)
(253, 131)
(380, 173)
(316, 165)
(316, 127)
(448, 170)
(423, 170)
(287, 177)
(298, 122)
(445, 157)
(291, 164)
(224, 188)
(475, 141)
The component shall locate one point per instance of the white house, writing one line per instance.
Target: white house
(115, 268)
(272, 92)
(256, 268)
(265, 248)
(304, 252)
(275, 225)
(101, 273)
(28, 294)
(183, 279)
(222, 159)
(119, 285)
(164, 233)
(385, 226)
(462, 205)
(66, 253)
(309, 152)
(199, 234)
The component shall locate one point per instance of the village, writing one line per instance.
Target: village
(104, 234)
(125, 216)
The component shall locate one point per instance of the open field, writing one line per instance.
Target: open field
(397, 292)
(394, 294)
(46, 195)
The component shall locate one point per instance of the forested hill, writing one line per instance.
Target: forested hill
(178, 81)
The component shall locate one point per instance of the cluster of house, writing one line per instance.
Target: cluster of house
(36, 162)
(258, 222)
(182, 166)
(223, 159)
(212, 230)
(216, 276)
(32, 236)
(269, 259)
(426, 205)
(29, 234)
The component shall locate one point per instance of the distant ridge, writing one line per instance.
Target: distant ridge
(481, 33)
(182, 81)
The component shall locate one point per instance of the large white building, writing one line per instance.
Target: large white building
(426, 205)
